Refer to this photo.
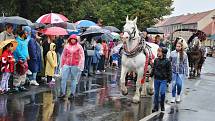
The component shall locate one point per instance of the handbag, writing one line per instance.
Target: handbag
(90, 52)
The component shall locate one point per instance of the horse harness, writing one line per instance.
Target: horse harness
(142, 46)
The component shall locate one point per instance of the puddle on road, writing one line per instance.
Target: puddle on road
(99, 99)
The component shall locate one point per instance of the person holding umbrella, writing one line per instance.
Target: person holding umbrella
(72, 63)
(7, 65)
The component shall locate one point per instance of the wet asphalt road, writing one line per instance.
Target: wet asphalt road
(198, 100)
(99, 99)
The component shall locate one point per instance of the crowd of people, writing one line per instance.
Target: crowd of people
(37, 58)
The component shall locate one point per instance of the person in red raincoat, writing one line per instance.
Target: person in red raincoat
(7, 66)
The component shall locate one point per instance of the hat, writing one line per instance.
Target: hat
(73, 36)
(27, 29)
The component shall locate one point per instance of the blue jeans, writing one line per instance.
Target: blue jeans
(71, 73)
(33, 76)
(177, 81)
(160, 88)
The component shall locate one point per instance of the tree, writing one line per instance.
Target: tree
(113, 12)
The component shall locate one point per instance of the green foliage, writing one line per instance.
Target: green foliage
(112, 12)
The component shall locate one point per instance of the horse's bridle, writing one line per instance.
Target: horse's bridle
(131, 34)
(139, 47)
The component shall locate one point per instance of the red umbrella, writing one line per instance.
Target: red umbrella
(52, 18)
(55, 31)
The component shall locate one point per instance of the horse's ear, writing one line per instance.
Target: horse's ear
(127, 18)
(135, 20)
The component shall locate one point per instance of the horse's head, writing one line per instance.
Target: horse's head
(196, 43)
(130, 30)
(183, 41)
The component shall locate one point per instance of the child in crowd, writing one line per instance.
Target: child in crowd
(51, 64)
(7, 66)
(162, 73)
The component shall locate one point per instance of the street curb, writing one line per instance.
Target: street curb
(151, 116)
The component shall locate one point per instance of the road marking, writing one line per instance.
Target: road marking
(197, 83)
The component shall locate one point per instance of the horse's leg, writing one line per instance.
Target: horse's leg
(136, 97)
(122, 80)
(151, 84)
(195, 69)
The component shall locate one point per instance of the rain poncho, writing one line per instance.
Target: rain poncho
(51, 61)
(73, 55)
(21, 52)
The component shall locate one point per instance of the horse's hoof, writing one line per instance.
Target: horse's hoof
(143, 95)
(151, 93)
(136, 101)
(124, 93)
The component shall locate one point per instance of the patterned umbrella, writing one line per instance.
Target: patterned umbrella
(52, 18)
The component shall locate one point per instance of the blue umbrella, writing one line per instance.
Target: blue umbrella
(85, 24)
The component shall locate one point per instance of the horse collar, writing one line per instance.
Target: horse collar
(139, 48)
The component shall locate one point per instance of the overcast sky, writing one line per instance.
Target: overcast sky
(192, 6)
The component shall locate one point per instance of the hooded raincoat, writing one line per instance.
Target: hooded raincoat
(35, 62)
(73, 55)
(51, 61)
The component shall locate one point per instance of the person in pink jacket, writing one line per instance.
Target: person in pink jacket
(72, 63)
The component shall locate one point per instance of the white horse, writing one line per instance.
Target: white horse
(134, 58)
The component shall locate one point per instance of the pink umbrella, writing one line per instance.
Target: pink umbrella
(55, 31)
(52, 18)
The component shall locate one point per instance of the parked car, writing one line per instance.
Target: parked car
(209, 51)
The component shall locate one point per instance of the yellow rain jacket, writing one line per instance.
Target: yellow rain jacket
(51, 61)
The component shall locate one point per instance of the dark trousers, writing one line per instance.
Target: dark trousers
(88, 63)
(101, 65)
(49, 79)
(160, 89)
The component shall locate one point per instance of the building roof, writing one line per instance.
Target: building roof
(208, 29)
(184, 19)
(197, 17)
(170, 21)
(161, 22)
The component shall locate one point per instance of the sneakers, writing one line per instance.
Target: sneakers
(34, 82)
(57, 75)
(22, 88)
(173, 100)
(98, 72)
(29, 72)
(178, 98)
